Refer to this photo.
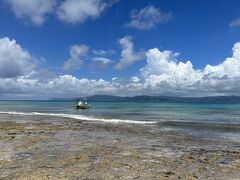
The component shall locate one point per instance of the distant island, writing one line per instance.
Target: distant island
(208, 99)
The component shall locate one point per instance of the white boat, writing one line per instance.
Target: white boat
(82, 105)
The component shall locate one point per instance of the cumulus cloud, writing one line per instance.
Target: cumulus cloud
(163, 74)
(128, 55)
(135, 79)
(77, 11)
(148, 18)
(68, 11)
(235, 23)
(14, 60)
(61, 86)
(82, 86)
(34, 11)
(77, 52)
(163, 66)
(230, 68)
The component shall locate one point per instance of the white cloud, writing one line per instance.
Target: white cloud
(61, 86)
(135, 79)
(100, 52)
(77, 11)
(103, 52)
(148, 18)
(235, 23)
(230, 68)
(163, 74)
(128, 55)
(163, 66)
(77, 52)
(82, 86)
(14, 60)
(34, 11)
(102, 60)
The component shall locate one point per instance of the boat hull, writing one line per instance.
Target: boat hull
(83, 107)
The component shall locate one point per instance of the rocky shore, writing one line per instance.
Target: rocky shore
(70, 149)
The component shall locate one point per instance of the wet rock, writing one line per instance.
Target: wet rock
(12, 133)
(23, 156)
(223, 162)
(92, 153)
(168, 173)
(195, 176)
(190, 157)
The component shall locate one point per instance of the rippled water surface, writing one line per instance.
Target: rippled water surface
(202, 120)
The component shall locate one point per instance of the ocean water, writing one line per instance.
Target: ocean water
(197, 119)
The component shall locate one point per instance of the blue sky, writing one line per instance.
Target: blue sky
(201, 31)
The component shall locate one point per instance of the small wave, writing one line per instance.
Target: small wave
(78, 117)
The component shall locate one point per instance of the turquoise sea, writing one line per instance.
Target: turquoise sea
(197, 119)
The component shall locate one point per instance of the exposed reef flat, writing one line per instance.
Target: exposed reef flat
(69, 149)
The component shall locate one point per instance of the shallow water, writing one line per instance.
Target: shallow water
(196, 119)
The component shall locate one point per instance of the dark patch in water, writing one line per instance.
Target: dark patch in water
(199, 125)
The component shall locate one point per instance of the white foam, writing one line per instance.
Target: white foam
(79, 117)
